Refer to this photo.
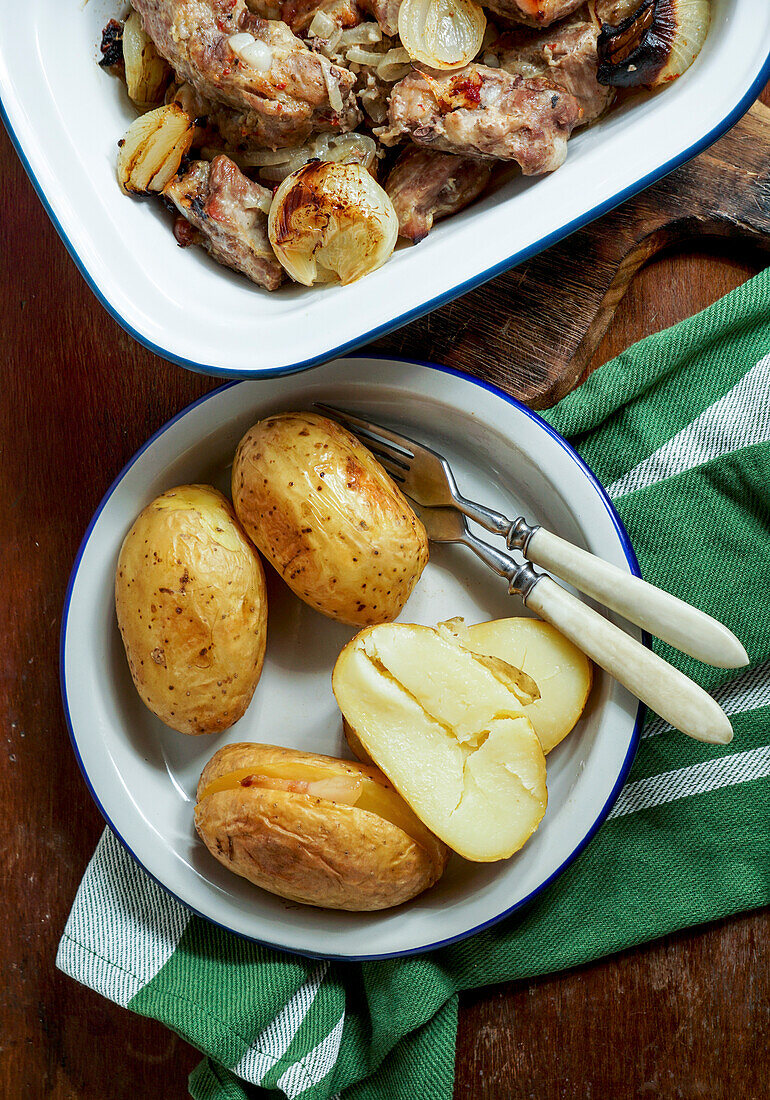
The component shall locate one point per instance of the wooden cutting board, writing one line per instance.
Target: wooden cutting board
(535, 329)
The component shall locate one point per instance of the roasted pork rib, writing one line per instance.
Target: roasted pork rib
(485, 112)
(227, 210)
(287, 101)
(425, 185)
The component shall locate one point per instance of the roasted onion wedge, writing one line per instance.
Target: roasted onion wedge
(331, 223)
(444, 34)
(152, 149)
(147, 73)
(654, 45)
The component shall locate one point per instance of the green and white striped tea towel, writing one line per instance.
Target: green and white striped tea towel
(678, 428)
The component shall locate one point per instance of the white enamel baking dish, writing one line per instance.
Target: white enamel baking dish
(65, 116)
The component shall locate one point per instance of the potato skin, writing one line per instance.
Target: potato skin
(308, 849)
(326, 515)
(355, 744)
(191, 605)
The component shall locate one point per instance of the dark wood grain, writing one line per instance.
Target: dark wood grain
(685, 1018)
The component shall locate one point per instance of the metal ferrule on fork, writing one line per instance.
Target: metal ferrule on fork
(521, 578)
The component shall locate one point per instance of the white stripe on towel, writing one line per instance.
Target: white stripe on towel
(749, 691)
(272, 1043)
(739, 419)
(711, 775)
(123, 928)
(317, 1064)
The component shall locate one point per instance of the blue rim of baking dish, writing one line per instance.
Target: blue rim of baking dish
(419, 311)
(633, 564)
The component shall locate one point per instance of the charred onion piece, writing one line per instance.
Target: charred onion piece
(654, 45)
(112, 47)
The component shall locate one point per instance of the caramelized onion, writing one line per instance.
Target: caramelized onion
(353, 148)
(147, 73)
(444, 34)
(331, 223)
(152, 149)
(654, 45)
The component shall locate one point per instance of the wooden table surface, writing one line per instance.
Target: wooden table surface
(685, 1018)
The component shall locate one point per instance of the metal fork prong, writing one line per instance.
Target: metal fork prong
(375, 432)
(391, 464)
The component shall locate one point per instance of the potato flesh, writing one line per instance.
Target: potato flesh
(478, 784)
(301, 779)
(457, 692)
(317, 782)
(563, 674)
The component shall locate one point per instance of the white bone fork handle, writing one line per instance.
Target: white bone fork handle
(666, 690)
(663, 688)
(426, 477)
(665, 616)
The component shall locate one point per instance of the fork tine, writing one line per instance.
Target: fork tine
(393, 469)
(373, 442)
(374, 432)
(390, 462)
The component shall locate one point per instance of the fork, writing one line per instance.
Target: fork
(426, 477)
(663, 688)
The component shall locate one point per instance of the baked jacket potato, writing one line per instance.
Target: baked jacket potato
(192, 610)
(326, 832)
(326, 515)
(562, 672)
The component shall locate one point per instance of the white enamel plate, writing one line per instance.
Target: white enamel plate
(143, 775)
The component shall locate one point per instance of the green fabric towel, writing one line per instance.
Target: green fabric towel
(678, 429)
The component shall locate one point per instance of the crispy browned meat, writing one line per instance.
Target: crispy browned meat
(537, 13)
(615, 11)
(385, 12)
(291, 99)
(566, 54)
(112, 48)
(238, 132)
(223, 205)
(425, 185)
(485, 112)
(298, 14)
(246, 131)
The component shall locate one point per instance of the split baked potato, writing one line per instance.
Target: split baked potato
(326, 832)
(326, 515)
(191, 605)
(562, 672)
(448, 728)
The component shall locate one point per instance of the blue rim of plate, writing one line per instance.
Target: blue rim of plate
(631, 558)
(419, 311)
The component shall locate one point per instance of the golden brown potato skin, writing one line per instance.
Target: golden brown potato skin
(192, 610)
(309, 849)
(326, 515)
